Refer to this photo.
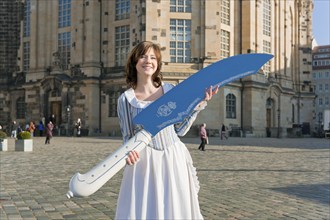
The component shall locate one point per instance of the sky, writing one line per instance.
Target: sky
(321, 22)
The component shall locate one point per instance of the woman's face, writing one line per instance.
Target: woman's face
(147, 64)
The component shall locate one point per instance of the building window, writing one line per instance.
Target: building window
(320, 101)
(113, 98)
(266, 17)
(20, 108)
(180, 41)
(326, 87)
(225, 44)
(64, 43)
(225, 12)
(123, 8)
(326, 100)
(64, 13)
(180, 6)
(320, 87)
(267, 49)
(26, 21)
(26, 56)
(121, 45)
(230, 106)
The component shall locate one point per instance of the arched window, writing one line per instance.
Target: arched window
(20, 108)
(269, 103)
(230, 106)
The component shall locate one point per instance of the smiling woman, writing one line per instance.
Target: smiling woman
(160, 181)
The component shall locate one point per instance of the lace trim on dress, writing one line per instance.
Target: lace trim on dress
(193, 171)
(131, 98)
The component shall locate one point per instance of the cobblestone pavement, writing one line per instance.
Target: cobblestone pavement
(240, 178)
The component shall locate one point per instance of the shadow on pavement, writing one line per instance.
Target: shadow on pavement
(300, 143)
(317, 192)
(255, 170)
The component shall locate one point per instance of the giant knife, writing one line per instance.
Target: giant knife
(169, 109)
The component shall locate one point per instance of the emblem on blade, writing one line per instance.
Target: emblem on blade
(166, 109)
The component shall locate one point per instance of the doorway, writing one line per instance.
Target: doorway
(269, 116)
(56, 109)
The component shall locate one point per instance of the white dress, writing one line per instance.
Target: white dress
(163, 183)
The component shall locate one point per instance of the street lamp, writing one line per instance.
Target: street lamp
(68, 112)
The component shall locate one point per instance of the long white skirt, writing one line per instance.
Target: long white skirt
(162, 185)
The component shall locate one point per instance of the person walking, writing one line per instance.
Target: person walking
(203, 137)
(13, 129)
(160, 181)
(41, 128)
(19, 128)
(49, 132)
(78, 127)
(31, 129)
(223, 132)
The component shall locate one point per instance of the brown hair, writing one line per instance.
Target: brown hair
(139, 50)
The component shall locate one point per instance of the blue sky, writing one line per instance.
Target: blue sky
(321, 24)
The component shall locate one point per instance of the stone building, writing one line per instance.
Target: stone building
(72, 56)
(10, 19)
(321, 80)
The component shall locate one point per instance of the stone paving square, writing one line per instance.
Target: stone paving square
(240, 178)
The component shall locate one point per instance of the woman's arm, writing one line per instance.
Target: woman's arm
(125, 124)
(182, 128)
(125, 127)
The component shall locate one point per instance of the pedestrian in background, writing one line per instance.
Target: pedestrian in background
(32, 128)
(78, 127)
(223, 132)
(13, 129)
(49, 132)
(203, 136)
(19, 129)
(52, 118)
(41, 128)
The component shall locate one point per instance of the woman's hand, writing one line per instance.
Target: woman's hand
(208, 95)
(132, 158)
(210, 92)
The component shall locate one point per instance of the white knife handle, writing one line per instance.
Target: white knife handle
(88, 183)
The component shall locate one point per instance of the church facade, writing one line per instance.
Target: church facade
(72, 54)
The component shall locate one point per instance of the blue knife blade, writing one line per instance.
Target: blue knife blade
(177, 103)
(170, 108)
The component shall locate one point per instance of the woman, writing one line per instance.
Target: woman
(32, 128)
(160, 181)
(49, 132)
